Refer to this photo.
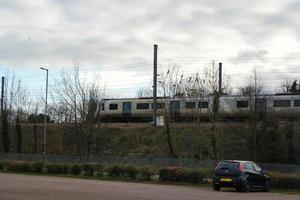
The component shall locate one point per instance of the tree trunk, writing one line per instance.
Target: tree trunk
(19, 134)
(169, 139)
(5, 132)
(35, 138)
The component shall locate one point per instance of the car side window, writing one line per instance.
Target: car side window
(248, 166)
(256, 167)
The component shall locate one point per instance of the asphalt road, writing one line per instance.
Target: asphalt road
(23, 187)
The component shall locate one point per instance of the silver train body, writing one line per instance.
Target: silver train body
(229, 106)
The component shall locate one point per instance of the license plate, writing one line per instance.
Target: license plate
(226, 179)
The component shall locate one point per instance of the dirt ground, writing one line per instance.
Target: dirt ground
(25, 187)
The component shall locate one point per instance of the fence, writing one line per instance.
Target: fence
(141, 160)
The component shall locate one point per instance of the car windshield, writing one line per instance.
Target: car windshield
(228, 165)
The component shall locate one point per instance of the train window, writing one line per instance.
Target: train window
(141, 106)
(102, 106)
(297, 103)
(113, 106)
(158, 106)
(190, 104)
(203, 104)
(282, 103)
(242, 104)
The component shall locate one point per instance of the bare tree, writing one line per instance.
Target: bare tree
(15, 101)
(145, 92)
(80, 97)
(171, 89)
(252, 90)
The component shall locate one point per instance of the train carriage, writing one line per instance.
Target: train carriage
(141, 109)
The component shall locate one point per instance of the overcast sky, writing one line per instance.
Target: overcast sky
(116, 37)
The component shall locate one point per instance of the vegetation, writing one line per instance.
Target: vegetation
(127, 172)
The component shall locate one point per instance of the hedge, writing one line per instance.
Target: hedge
(122, 171)
(285, 181)
(183, 175)
(53, 168)
(17, 166)
(146, 173)
(92, 169)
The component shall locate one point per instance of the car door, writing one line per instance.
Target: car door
(260, 176)
(250, 172)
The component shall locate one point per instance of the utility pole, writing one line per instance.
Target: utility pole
(154, 83)
(45, 119)
(220, 78)
(2, 95)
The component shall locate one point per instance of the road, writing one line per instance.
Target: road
(23, 187)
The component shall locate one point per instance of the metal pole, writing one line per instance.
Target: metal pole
(154, 83)
(2, 95)
(220, 78)
(45, 119)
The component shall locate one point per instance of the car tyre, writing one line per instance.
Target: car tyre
(267, 186)
(216, 187)
(246, 186)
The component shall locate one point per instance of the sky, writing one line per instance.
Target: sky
(115, 39)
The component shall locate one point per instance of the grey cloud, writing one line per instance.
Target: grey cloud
(123, 31)
(249, 55)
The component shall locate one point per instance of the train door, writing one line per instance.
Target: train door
(127, 110)
(175, 107)
(261, 105)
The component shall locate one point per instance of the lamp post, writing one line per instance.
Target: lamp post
(45, 119)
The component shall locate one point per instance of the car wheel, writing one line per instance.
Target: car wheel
(267, 186)
(216, 187)
(246, 186)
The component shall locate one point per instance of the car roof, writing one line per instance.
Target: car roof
(242, 161)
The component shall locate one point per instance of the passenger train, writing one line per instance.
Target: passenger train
(230, 106)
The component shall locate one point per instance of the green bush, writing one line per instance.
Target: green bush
(183, 174)
(189, 175)
(37, 167)
(54, 168)
(18, 166)
(122, 171)
(90, 168)
(75, 169)
(1, 166)
(169, 173)
(285, 181)
(145, 173)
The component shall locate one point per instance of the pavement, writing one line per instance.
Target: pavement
(26, 187)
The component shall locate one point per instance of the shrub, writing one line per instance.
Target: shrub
(189, 175)
(1, 166)
(75, 169)
(66, 168)
(145, 173)
(183, 174)
(90, 168)
(168, 174)
(37, 167)
(285, 181)
(122, 171)
(54, 168)
(131, 172)
(17, 166)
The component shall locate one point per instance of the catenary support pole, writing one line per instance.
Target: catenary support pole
(45, 119)
(154, 84)
(220, 78)
(2, 95)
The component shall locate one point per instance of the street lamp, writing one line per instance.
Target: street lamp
(45, 119)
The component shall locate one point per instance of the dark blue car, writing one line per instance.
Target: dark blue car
(243, 175)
